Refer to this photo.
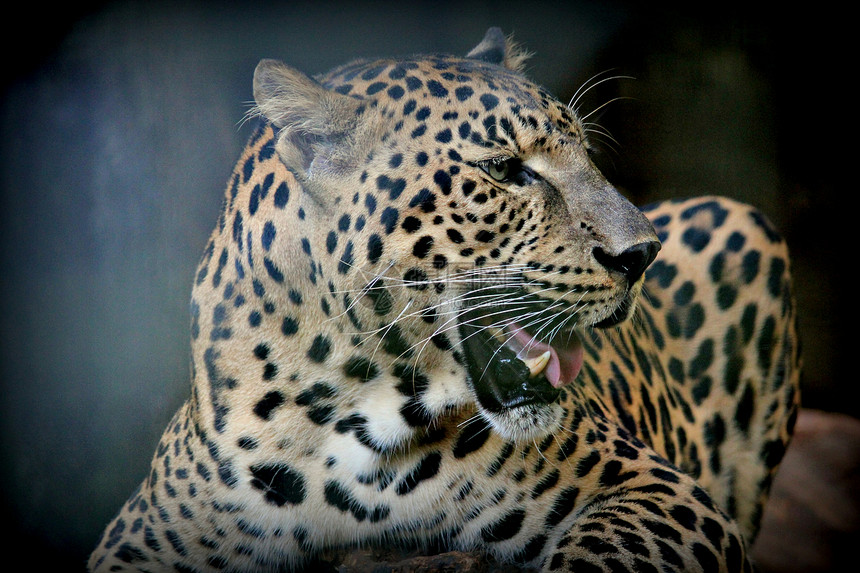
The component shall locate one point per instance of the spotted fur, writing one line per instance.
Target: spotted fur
(388, 227)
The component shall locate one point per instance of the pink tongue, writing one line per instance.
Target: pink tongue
(565, 359)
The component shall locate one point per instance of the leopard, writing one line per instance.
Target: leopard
(425, 320)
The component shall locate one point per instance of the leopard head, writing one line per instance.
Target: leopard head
(462, 212)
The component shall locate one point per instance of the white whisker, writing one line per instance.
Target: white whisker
(590, 84)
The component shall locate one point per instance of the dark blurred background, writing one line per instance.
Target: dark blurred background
(121, 122)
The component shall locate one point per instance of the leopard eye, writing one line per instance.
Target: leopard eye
(509, 170)
(498, 170)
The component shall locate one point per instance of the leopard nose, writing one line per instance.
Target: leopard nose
(632, 262)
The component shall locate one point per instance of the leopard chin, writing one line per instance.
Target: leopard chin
(525, 424)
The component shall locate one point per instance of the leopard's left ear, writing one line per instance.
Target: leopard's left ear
(495, 48)
(319, 131)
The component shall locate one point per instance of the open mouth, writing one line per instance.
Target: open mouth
(510, 367)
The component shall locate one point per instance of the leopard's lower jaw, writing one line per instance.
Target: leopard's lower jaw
(499, 379)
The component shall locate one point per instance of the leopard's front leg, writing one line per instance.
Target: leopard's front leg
(646, 516)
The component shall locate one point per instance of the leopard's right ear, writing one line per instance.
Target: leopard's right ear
(318, 130)
(495, 48)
